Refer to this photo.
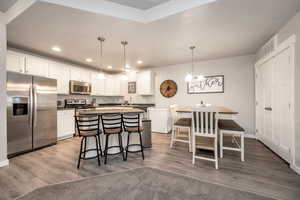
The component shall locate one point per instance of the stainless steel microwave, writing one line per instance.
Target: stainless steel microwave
(77, 87)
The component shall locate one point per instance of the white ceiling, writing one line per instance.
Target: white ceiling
(221, 29)
(139, 4)
(6, 4)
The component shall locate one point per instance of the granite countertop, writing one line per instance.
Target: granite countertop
(109, 110)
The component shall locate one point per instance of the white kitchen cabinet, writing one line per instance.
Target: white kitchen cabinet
(78, 74)
(160, 119)
(37, 66)
(98, 84)
(113, 86)
(65, 124)
(61, 73)
(145, 83)
(15, 62)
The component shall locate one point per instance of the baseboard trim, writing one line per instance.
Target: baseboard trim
(250, 136)
(4, 163)
(295, 168)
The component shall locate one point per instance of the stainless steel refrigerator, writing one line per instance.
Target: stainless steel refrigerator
(31, 112)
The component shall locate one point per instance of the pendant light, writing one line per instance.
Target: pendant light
(189, 77)
(124, 77)
(101, 74)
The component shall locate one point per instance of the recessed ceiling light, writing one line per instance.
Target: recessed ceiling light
(56, 48)
(109, 67)
(139, 62)
(127, 66)
(89, 60)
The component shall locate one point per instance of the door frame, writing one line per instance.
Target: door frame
(288, 43)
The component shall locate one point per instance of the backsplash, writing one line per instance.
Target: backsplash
(99, 99)
(131, 98)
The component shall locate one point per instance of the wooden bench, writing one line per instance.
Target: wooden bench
(230, 127)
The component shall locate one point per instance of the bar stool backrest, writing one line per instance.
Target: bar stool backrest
(131, 120)
(111, 121)
(87, 123)
(205, 121)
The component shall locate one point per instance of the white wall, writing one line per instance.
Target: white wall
(3, 137)
(293, 27)
(239, 92)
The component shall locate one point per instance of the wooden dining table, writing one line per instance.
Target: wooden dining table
(224, 113)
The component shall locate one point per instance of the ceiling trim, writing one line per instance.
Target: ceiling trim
(124, 12)
(18, 8)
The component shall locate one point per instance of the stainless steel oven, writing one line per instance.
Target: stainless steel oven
(77, 87)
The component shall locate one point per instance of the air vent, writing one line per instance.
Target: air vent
(268, 48)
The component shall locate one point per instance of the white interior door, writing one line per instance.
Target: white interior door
(274, 96)
(267, 79)
(282, 114)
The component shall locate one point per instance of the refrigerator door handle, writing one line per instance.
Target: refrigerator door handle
(35, 106)
(30, 106)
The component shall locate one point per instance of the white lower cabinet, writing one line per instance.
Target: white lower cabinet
(65, 124)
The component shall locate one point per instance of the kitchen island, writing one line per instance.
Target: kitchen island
(113, 141)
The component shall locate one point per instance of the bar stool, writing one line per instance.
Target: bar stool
(177, 125)
(131, 124)
(112, 125)
(88, 126)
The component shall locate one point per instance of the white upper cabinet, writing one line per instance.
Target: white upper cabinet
(78, 74)
(98, 84)
(15, 62)
(61, 73)
(145, 83)
(37, 66)
(113, 86)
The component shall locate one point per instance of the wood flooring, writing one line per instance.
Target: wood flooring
(263, 172)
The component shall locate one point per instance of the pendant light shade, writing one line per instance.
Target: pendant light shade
(101, 75)
(124, 77)
(189, 77)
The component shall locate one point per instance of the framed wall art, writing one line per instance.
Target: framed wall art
(208, 84)
(131, 87)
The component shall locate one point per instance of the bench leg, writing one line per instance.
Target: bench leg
(216, 153)
(172, 137)
(221, 143)
(242, 147)
(193, 147)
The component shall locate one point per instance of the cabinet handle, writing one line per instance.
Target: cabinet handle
(268, 108)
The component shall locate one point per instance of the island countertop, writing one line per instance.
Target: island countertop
(109, 110)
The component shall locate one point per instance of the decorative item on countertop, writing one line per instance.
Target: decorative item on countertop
(132, 87)
(168, 88)
(207, 84)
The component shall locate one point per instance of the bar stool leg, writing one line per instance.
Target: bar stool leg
(80, 152)
(84, 147)
(121, 146)
(106, 149)
(142, 147)
(242, 147)
(221, 143)
(97, 147)
(101, 153)
(128, 138)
